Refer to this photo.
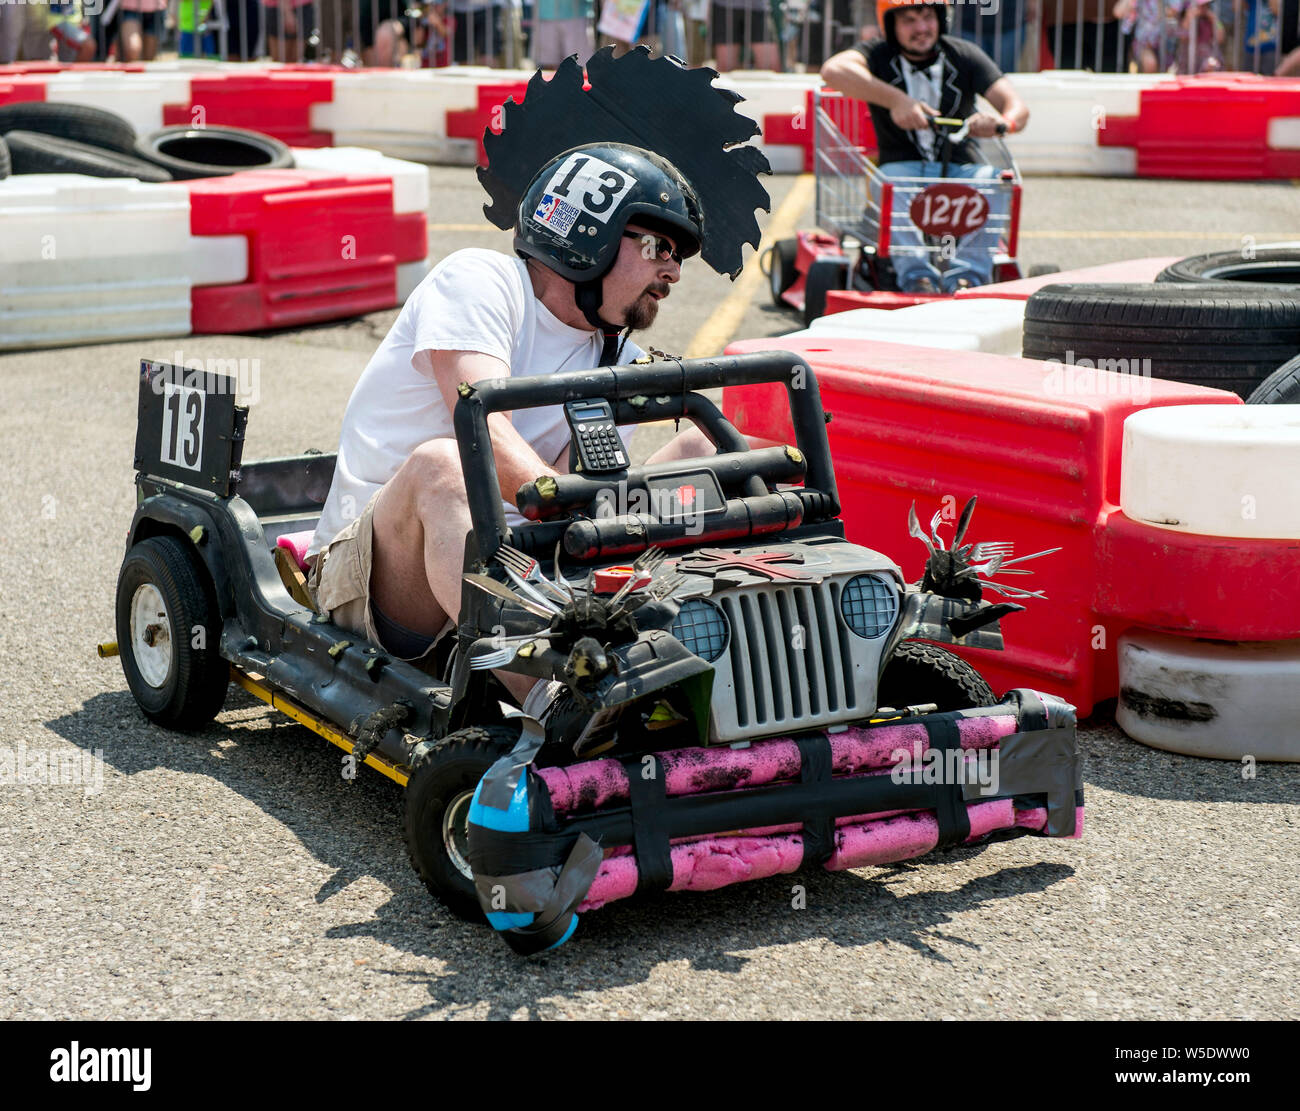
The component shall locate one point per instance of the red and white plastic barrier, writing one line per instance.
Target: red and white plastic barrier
(1110, 125)
(1041, 446)
(86, 260)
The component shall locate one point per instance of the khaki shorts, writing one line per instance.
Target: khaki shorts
(340, 581)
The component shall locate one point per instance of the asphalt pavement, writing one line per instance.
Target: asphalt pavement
(235, 874)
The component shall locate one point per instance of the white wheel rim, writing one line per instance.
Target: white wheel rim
(455, 832)
(151, 636)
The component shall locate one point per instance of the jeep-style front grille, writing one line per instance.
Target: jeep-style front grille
(791, 662)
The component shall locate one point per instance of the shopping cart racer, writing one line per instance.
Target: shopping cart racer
(913, 74)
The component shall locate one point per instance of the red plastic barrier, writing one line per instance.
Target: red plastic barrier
(21, 88)
(277, 104)
(1209, 128)
(321, 246)
(470, 123)
(913, 423)
(844, 300)
(796, 128)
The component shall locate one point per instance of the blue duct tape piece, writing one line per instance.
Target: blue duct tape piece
(527, 896)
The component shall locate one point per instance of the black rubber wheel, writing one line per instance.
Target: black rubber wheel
(169, 634)
(1266, 268)
(436, 808)
(824, 275)
(1282, 387)
(44, 154)
(918, 673)
(6, 167)
(1220, 336)
(191, 152)
(781, 273)
(1042, 269)
(96, 127)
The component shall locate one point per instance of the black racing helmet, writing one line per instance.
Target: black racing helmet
(574, 212)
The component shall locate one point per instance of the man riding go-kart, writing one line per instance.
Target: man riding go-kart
(701, 684)
(915, 74)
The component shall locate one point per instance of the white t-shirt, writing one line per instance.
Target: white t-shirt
(473, 300)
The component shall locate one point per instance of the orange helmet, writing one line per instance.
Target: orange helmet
(886, 8)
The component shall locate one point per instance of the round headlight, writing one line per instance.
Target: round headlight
(869, 604)
(701, 626)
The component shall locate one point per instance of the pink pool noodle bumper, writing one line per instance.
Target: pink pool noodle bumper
(708, 863)
(688, 771)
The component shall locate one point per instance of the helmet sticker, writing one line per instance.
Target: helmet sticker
(593, 185)
(555, 214)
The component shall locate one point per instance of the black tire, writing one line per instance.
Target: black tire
(918, 673)
(444, 775)
(1267, 268)
(1227, 338)
(781, 273)
(824, 275)
(6, 167)
(44, 154)
(1042, 269)
(192, 152)
(192, 690)
(79, 123)
(1282, 387)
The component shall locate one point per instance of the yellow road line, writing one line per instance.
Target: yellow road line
(1261, 236)
(717, 331)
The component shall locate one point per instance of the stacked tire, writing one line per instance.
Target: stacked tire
(54, 138)
(1218, 320)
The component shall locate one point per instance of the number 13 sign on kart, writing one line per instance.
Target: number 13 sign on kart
(582, 186)
(949, 209)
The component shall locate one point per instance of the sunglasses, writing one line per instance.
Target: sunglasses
(663, 247)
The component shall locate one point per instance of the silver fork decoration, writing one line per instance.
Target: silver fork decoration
(915, 531)
(528, 574)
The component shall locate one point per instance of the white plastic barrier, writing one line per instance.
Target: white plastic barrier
(1205, 699)
(410, 179)
(84, 259)
(403, 113)
(991, 324)
(411, 274)
(138, 97)
(1214, 470)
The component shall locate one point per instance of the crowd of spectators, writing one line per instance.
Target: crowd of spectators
(1104, 35)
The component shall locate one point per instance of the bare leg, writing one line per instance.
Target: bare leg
(129, 41)
(726, 56)
(420, 523)
(765, 55)
(1289, 66)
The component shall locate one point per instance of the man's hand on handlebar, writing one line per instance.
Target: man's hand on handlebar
(912, 116)
(985, 125)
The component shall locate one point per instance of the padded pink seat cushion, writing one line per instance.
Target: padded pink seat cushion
(297, 544)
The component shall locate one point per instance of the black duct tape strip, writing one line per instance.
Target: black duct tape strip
(1042, 759)
(819, 825)
(954, 822)
(571, 887)
(647, 795)
(497, 853)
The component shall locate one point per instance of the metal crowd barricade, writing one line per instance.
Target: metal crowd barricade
(788, 35)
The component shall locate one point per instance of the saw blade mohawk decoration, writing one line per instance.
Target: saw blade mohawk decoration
(650, 141)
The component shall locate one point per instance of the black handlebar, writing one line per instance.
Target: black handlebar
(640, 393)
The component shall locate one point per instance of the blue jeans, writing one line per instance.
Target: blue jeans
(974, 255)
